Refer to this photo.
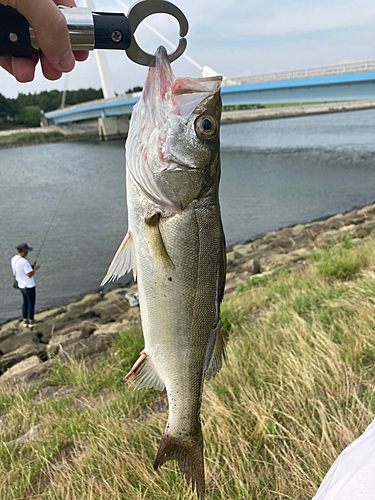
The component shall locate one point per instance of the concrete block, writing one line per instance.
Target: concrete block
(112, 128)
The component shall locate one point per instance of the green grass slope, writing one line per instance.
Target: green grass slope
(298, 388)
(29, 136)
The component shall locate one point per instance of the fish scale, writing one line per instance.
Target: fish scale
(175, 244)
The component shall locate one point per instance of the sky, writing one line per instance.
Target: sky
(234, 38)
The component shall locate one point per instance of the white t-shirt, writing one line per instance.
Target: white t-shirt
(352, 476)
(20, 266)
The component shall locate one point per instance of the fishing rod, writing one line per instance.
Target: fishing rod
(45, 237)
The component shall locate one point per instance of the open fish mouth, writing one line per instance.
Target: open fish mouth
(178, 95)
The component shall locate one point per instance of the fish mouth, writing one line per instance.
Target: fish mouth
(164, 77)
(164, 93)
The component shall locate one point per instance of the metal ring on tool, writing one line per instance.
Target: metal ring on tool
(138, 12)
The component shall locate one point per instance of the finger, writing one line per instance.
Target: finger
(24, 68)
(81, 55)
(66, 3)
(51, 31)
(6, 63)
(49, 71)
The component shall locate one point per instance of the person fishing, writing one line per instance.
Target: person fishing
(23, 273)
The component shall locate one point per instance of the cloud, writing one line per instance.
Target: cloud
(236, 37)
(312, 18)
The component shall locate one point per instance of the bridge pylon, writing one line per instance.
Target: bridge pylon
(102, 64)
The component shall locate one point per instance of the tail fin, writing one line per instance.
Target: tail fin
(188, 452)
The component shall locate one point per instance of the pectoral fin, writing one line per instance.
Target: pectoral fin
(156, 244)
(123, 262)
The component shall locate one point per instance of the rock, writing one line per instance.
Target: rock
(364, 229)
(366, 211)
(130, 317)
(230, 276)
(300, 254)
(115, 294)
(64, 324)
(53, 392)
(241, 250)
(334, 218)
(347, 229)
(110, 328)
(18, 339)
(263, 247)
(87, 326)
(233, 258)
(9, 329)
(298, 229)
(328, 237)
(26, 351)
(26, 372)
(63, 341)
(80, 307)
(97, 343)
(33, 433)
(50, 313)
(110, 309)
(252, 266)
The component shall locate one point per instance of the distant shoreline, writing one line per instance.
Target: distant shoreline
(83, 132)
(248, 115)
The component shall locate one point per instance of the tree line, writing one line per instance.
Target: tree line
(26, 109)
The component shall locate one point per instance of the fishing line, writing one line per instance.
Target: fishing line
(53, 218)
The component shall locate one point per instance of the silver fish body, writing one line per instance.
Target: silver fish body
(175, 245)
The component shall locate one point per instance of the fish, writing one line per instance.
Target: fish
(175, 246)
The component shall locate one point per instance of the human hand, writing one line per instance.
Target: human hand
(55, 54)
(36, 267)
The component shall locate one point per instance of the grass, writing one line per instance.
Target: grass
(29, 136)
(299, 387)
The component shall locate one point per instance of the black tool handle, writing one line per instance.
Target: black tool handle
(88, 31)
(14, 33)
(112, 31)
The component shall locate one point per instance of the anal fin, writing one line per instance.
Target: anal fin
(143, 374)
(123, 261)
(218, 354)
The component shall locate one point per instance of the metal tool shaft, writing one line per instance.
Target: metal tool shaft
(92, 30)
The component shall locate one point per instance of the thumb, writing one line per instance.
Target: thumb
(51, 32)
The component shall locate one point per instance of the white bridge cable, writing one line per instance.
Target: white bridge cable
(101, 63)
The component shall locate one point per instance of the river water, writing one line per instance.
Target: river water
(274, 173)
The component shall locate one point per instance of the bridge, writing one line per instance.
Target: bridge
(340, 82)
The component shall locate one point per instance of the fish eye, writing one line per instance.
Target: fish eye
(205, 126)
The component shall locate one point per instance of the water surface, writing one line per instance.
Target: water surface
(274, 173)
